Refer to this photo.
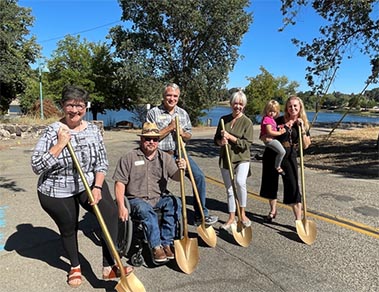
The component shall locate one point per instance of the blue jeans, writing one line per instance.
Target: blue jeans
(199, 178)
(156, 234)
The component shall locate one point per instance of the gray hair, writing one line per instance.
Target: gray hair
(173, 86)
(238, 95)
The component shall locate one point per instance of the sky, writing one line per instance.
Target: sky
(262, 46)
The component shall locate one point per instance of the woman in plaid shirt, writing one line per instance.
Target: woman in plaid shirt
(60, 188)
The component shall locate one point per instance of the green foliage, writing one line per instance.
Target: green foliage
(86, 64)
(16, 51)
(351, 27)
(191, 43)
(31, 94)
(265, 87)
(373, 94)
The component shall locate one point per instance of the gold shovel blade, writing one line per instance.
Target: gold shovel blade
(130, 283)
(186, 254)
(306, 230)
(242, 235)
(207, 234)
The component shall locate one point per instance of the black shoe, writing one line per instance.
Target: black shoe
(269, 217)
(281, 171)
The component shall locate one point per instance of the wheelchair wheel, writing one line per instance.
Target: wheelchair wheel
(125, 232)
(137, 259)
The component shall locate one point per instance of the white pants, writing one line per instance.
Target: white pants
(240, 177)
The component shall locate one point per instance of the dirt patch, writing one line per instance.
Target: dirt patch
(353, 151)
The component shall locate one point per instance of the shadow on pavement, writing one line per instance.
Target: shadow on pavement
(44, 244)
(10, 185)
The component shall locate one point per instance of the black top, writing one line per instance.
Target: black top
(270, 176)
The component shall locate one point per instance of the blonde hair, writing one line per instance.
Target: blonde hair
(302, 113)
(271, 105)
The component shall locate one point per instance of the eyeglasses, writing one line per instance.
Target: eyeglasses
(148, 139)
(79, 106)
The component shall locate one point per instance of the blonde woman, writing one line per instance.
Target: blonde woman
(294, 115)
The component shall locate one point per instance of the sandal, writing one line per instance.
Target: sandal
(246, 223)
(74, 277)
(270, 217)
(116, 273)
(227, 225)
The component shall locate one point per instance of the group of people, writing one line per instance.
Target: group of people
(142, 175)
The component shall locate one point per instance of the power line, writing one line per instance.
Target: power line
(80, 32)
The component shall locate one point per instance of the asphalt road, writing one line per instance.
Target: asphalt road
(344, 256)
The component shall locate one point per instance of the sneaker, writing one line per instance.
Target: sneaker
(209, 220)
(168, 251)
(159, 254)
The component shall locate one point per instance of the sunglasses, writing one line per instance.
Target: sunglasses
(148, 139)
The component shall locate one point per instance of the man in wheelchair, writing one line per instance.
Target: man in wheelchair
(142, 176)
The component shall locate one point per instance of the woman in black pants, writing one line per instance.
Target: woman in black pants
(60, 188)
(294, 115)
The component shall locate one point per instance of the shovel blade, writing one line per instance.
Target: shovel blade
(186, 254)
(207, 234)
(306, 230)
(130, 283)
(242, 235)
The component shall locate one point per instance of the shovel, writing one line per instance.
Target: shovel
(306, 229)
(207, 234)
(186, 249)
(241, 233)
(127, 283)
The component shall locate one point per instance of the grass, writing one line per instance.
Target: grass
(28, 120)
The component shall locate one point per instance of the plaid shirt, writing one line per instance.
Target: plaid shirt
(162, 118)
(58, 175)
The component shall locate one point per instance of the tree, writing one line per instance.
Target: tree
(352, 25)
(16, 51)
(191, 43)
(264, 87)
(86, 64)
(373, 94)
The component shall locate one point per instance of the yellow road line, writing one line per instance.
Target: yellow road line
(339, 221)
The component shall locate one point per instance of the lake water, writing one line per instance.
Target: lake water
(213, 115)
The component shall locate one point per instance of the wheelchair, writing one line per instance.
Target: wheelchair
(132, 241)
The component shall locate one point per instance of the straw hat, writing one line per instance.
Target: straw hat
(149, 130)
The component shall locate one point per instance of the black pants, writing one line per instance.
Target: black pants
(65, 213)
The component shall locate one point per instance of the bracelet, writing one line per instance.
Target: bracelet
(97, 187)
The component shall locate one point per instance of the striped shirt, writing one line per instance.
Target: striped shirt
(58, 175)
(162, 118)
